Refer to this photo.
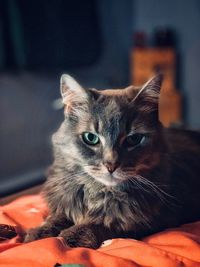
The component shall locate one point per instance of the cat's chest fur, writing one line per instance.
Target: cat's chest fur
(110, 208)
(84, 204)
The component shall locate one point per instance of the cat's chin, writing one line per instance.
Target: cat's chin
(109, 180)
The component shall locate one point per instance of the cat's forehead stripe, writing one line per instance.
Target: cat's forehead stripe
(110, 124)
(111, 92)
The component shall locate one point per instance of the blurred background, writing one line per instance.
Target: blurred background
(103, 44)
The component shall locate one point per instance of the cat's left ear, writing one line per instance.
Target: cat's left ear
(147, 98)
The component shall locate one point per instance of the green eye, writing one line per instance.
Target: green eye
(90, 138)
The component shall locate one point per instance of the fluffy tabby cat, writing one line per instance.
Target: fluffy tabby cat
(117, 171)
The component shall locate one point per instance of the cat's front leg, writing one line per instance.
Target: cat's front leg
(51, 227)
(86, 235)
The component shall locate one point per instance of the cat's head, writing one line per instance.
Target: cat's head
(112, 135)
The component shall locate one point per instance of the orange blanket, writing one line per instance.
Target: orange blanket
(171, 248)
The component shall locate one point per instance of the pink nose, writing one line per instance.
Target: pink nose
(111, 166)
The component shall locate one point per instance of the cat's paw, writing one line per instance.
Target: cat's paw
(37, 233)
(31, 235)
(80, 236)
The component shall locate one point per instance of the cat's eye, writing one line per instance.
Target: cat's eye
(135, 139)
(90, 138)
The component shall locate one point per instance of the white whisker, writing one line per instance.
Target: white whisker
(151, 188)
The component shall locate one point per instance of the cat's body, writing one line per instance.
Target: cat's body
(131, 178)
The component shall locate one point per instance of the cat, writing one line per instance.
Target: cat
(117, 171)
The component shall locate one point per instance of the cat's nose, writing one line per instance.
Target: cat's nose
(111, 166)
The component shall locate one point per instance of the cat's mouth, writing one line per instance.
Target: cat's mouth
(104, 177)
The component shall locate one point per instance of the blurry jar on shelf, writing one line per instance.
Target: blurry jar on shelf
(140, 39)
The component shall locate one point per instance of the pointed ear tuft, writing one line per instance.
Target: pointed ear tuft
(147, 97)
(69, 85)
(74, 96)
(146, 101)
(151, 87)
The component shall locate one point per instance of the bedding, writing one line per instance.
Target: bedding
(177, 247)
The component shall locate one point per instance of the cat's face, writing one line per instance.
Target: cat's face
(112, 135)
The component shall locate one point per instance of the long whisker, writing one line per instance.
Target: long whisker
(151, 188)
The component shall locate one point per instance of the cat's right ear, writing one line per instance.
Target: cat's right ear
(73, 94)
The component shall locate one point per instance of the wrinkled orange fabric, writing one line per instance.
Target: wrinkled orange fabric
(178, 247)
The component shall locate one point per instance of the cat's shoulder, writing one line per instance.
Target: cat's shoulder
(182, 139)
(181, 132)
